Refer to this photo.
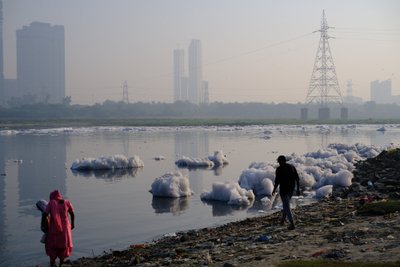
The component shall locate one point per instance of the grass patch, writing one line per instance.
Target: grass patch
(329, 263)
(380, 208)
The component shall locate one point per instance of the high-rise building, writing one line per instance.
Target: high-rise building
(41, 62)
(204, 93)
(180, 81)
(190, 87)
(195, 72)
(381, 92)
(2, 90)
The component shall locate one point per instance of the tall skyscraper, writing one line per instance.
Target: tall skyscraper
(381, 92)
(2, 90)
(195, 72)
(180, 81)
(190, 87)
(41, 62)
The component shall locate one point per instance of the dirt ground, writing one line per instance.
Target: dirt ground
(329, 229)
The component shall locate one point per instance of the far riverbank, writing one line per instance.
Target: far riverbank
(149, 122)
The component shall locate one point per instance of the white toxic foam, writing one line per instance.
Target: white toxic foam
(331, 166)
(171, 185)
(324, 191)
(259, 180)
(219, 159)
(107, 163)
(187, 162)
(229, 192)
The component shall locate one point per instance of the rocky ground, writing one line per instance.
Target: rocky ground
(339, 228)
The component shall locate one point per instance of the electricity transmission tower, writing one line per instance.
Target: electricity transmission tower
(125, 97)
(324, 86)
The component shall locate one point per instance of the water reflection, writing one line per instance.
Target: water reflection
(170, 205)
(32, 166)
(194, 145)
(221, 208)
(113, 174)
(216, 169)
(2, 198)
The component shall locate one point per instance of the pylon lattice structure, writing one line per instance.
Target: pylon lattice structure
(324, 86)
(125, 97)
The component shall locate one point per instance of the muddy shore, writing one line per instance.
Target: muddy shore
(341, 228)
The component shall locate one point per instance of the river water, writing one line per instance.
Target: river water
(115, 209)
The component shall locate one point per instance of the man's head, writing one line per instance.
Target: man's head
(281, 159)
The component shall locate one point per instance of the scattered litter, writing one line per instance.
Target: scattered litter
(319, 252)
(264, 238)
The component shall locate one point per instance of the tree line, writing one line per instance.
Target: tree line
(252, 110)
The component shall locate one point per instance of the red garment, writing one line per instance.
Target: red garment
(59, 237)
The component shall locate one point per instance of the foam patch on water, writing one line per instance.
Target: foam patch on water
(216, 160)
(259, 178)
(171, 185)
(229, 192)
(332, 166)
(107, 163)
(188, 162)
(219, 159)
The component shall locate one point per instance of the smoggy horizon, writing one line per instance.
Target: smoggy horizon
(258, 51)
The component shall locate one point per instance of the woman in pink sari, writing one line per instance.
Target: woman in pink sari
(56, 224)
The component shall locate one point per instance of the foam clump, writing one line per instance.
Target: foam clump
(187, 162)
(324, 191)
(229, 192)
(216, 160)
(107, 163)
(260, 179)
(171, 185)
(331, 166)
(219, 159)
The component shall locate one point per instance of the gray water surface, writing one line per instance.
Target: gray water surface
(114, 209)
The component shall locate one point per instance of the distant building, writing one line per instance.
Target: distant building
(41, 62)
(190, 88)
(204, 93)
(396, 99)
(350, 98)
(195, 71)
(381, 92)
(10, 88)
(180, 81)
(2, 89)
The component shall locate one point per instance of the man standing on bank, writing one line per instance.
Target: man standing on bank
(286, 176)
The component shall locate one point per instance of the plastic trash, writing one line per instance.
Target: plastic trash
(264, 238)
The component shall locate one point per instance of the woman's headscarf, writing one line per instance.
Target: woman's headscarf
(54, 210)
(55, 195)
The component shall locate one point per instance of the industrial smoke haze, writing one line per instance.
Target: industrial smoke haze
(251, 51)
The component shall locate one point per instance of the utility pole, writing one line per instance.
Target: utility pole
(125, 97)
(324, 86)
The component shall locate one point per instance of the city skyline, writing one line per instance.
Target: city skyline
(41, 62)
(258, 51)
(190, 86)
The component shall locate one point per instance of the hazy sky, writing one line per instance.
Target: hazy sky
(254, 50)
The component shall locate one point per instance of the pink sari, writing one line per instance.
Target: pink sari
(59, 237)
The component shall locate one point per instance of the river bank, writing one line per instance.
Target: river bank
(156, 122)
(359, 223)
